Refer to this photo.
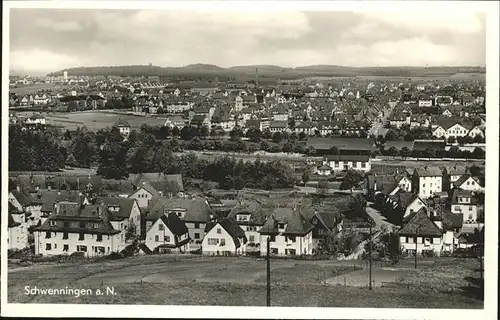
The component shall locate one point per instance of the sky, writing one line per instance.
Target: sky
(46, 40)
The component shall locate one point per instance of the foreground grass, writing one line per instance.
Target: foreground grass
(193, 293)
(167, 280)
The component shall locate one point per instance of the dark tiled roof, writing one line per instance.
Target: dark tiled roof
(197, 210)
(421, 222)
(340, 143)
(24, 198)
(252, 207)
(398, 145)
(457, 193)
(12, 223)
(340, 157)
(75, 215)
(121, 123)
(428, 172)
(174, 224)
(13, 209)
(125, 206)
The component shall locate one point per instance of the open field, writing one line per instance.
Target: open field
(197, 280)
(31, 88)
(95, 120)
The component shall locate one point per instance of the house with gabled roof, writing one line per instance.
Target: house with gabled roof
(224, 237)
(250, 217)
(126, 211)
(168, 233)
(143, 193)
(420, 233)
(75, 227)
(17, 228)
(25, 202)
(196, 213)
(409, 202)
(123, 126)
(289, 231)
(427, 181)
(469, 182)
(465, 202)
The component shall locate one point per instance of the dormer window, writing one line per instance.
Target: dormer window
(281, 226)
(53, 223)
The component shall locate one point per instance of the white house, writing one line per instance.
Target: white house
(324, 170)
(75, 227)
(250, 217)
(196, 213)
(35, 119)
(346, 162)
(468, 182)
(454, 173)
(24, 202)
(17, 229)
(289, 233)
(403, 182)
(464, 202)
(419, 233)
(124, 212)
(168, 233)
(476, 131)
(427, 181)
(123, 126)
(143, 194)
(224, 237)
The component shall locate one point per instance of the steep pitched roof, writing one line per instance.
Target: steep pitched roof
(419, 223)
(428, 172)
(174, 224)
(231, 227)
(197, 210)
(464, 178)
(252, 207)
(24, 198)
(125, 206)
(458, 193)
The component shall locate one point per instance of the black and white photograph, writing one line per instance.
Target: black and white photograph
(232, 154)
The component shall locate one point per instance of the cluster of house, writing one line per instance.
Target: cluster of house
(444, 118)
(64, 215)
(439, 206)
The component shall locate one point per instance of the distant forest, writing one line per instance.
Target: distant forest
(266, 72)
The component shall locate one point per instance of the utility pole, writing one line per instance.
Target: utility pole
(416, 245)
(370, 256)
(268, 271)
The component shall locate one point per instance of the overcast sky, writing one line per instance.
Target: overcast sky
(44, 40)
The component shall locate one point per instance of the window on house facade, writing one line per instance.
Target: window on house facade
(291, 238)
(160, 227)
(273, 238)
(81, 248)
(222, 242)
(212, 241)
(219, 230)
(81, 237)
(48, 246)
(99, 237)
(167, 238)
(196, 225)
(157, 238)
(65, 235)
(197, 235)
(47, 235)
(251, 238)
(65, 247)
(363, 165)
(470, 208)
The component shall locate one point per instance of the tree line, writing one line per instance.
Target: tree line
(116, 158)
